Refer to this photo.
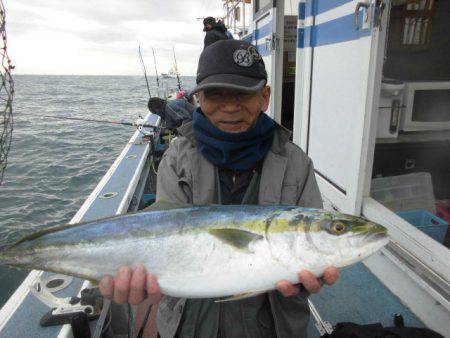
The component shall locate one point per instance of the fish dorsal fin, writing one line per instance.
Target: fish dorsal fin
(157, 206)
(167, 205)
(237, 238)
(56, 228)
(45, 231)
(240, 296)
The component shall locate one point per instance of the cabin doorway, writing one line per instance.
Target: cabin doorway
(275, 36)
(411, 169)
(289, 67)
(267, 24)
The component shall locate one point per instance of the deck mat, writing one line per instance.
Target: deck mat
(359, 297)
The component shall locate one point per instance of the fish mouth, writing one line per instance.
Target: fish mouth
(376, 236)
(372, 232)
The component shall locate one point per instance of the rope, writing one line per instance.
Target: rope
(6, 96)
(144, 323)
(154, 169)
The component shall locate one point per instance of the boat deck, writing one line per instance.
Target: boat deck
(25, 321)
(359, 297)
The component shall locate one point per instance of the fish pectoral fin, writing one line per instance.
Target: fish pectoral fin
(167, 205)
(240, 296)
(237, 238)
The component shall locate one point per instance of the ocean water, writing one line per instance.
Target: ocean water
(53, 164)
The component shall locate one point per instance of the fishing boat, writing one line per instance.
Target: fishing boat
(346, 78)
(171, 74)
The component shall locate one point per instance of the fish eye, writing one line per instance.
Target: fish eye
(338, 227)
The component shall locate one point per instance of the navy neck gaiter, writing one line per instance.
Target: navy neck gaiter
(236, 151)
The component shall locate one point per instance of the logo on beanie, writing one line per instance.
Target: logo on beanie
(254, 52)
(246, 57)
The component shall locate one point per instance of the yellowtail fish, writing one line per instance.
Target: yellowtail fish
(204, 251)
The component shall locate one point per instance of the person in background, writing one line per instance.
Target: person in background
(173, 112)
(231, 153)
(228, 33)
(215, 31)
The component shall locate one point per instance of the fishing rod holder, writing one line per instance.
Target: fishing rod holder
(64, 310)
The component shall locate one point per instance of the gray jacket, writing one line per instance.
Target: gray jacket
(287, 177)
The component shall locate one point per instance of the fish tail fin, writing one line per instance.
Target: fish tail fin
(12, 258)
(6, 258)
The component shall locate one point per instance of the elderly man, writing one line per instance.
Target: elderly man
(231, 153)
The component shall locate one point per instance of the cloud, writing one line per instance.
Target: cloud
(102, 36)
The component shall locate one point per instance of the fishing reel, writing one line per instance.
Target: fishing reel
(139, 123)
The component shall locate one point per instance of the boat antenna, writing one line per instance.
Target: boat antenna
(176, 69)
(156, 69)
(144, 70)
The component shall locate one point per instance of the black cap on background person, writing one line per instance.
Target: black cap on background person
(208, 23)
(231, 64)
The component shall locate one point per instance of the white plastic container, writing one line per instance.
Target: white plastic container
(404, 192)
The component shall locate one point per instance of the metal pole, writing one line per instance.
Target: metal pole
(228, 11)
(243, 18)
(228, 16)
(234, 17)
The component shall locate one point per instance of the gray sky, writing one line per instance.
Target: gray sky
(102, 36)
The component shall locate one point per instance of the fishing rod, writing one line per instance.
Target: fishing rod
(176, 68)
(156, 69)
(136, 124)
(144, 70)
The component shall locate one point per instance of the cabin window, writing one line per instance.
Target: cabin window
(262, 4)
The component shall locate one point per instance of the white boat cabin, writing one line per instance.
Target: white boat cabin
(365, 88)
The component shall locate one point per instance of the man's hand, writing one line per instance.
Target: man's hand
(311, 283)
(132, 286)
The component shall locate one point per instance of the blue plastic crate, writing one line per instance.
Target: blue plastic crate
(430, 224)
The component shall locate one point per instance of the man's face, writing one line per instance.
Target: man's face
(233, 111)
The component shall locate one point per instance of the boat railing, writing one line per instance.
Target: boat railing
(113, 195)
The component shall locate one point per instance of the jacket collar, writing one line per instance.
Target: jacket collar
(273, 172)
(280, 138)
